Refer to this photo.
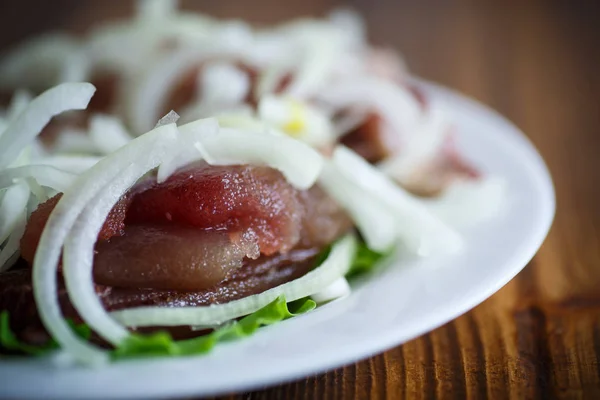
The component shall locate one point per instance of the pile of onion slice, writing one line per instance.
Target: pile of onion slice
(73, 226)
(20, 174)
(385, 213)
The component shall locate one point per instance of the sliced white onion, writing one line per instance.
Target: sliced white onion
(38, 191)
(221, 87)
(129, 46)
(147, 150)
(3, 124)
(323, 47)
(188, 152)
(155, 9)
(297, 119)
(45, 175)
(24, 128)
(78, 255)
(423, 145)
(170, 118)
(392, 102)
(349, 121)
(339, 288)
(223, 84)
(38, 63)
(468, 202)
(416, 227)
(269, 79)
(18, 103)
(146, 93)
(12, 203)
(244, 119)
(232, 146)
(73, 141)
(11, 248)
(68, 162)
(352, 25)
(373, 220)
(335, 266)
(108, 133)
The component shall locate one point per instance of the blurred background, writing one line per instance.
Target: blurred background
(536, 62)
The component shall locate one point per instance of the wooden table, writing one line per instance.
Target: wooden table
(538, 64)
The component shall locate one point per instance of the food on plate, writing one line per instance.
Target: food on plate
(172, 180)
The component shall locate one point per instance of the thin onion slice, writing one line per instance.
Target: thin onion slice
(18, 103)
(188, 152)
(60, 223)
(14, 200)
(421, 147)
(108, 133)
(468, 202)
(38, 191)
(146, 93)
(338, 289)
(38, 63)
(395, 104)
(45, 175)
(73, 141)
(78, 256)
(335, 266)
(415, 226)
(232, 146)
(323, 48)
(11, 248)
(372, 220)
(68, 162)
(24, 128)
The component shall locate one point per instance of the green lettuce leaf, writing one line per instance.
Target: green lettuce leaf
(364, 260)
(162, 344)
(10, 342)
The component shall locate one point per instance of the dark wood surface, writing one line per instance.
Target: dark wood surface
(536, 62)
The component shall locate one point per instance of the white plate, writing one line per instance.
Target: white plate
(403, 301)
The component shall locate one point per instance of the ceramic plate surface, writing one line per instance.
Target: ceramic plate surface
(403, 300)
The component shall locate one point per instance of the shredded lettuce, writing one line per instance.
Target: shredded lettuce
(162, 344)
(10, 343)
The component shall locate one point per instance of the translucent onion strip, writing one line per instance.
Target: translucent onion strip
(23, 129)
(334, 267)
(232, 146)
(13, 202)
(338, 289)
(72, 163)
(188, 152)
(108, 133)
(38, 63)
(394, 104)
(372, 220)
(146, 93)
(78, 254)
(415, 225)
(11, 248)
(61, 221)
(45, 175)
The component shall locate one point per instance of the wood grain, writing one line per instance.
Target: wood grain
(538, 63)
